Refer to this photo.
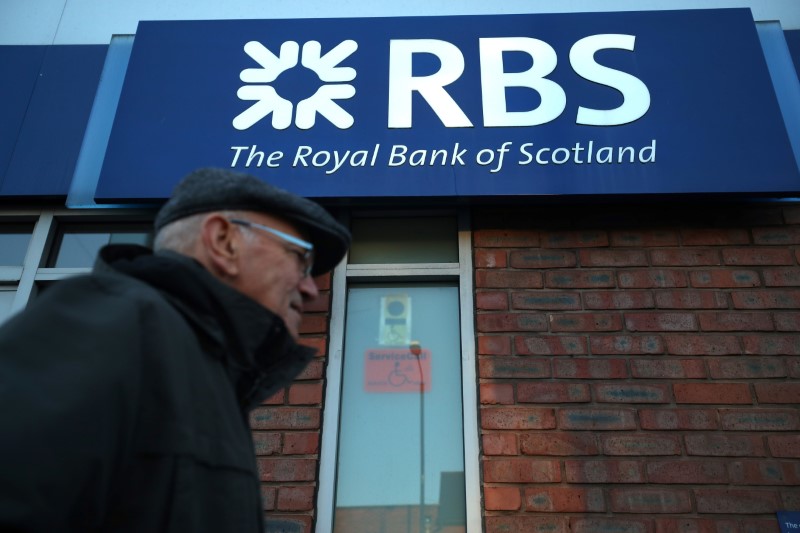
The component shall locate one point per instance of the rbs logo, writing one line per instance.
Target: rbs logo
(432, 88)
(494, 81)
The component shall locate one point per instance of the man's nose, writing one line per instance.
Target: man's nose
(308, 288)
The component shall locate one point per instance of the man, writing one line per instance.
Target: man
(124, 394)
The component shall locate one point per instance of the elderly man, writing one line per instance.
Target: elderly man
(125, 393)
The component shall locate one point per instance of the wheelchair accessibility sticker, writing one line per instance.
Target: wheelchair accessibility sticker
(397, 370)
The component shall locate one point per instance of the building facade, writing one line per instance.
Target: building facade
(573, 298)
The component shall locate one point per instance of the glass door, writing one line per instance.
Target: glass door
(400, 460)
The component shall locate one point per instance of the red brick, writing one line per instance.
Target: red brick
(609, 525)
(505, 238)
(318, 343)
(277, 398)
(517, 418)
(747, 368)
(649, 238)
(494, 345)
(652, 277)
(735, 321)
(757, 256)
(691, 299)
(724, 279)
(545, 300)
(596, 419)
(542, 392)
(712, 393)
(293, 418)
(490, 259)
(714, 237)
(497, 393)
(604, 471)
(735, 501)
(287, 469)
(630, 299)
(784, 445)
(772, 344)
(543, 259)
(294, 522)
(266, 443)
(778, 393)
(550, 345)
(561, 443)
(631, 393)
(314, 324)
(320, 304)
(269, 494)
(521, 471)
(501, 279)
(324, 281)
(778, 236)
(295, 498)
(502, 498)
(626, 344)
(585, 322)
(789, 321)
(301, 443)
(781, 277)
(580, 279)
(668, 369)
(491, 300)
(693, 525)
(703, 344)
(575, 239)
(313, 370)
(639, 444)
(305, 394)
(491, 322)
(564, 500)
(686, 472)
(766, 299)
(612, 258)
(660, 321)
(684, 257)
(642, 500)
(574, 368)
(759, 419)
(500, 443)
(513, 367)
(764, 472)
(681, 419)
(724, 445)
(528, 524)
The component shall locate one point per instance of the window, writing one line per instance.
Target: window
(77, 244)
(399, 449)
(14, 239)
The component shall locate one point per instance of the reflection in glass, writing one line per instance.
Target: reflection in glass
(6, 299)
(404, 240)
(400, 463)
(14, 239)
(78, 248)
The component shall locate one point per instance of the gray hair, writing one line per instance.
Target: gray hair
(181, 235)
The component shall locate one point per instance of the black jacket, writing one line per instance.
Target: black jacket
(124, 397)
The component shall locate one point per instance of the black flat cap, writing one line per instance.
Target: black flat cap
(217, 189)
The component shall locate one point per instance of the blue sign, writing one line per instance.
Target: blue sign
(789, 521)
(556, 104)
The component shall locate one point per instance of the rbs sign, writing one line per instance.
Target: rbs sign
(495, 81)
(472, 106)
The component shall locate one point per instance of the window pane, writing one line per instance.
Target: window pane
(78, 247)
(404, 240)
(6, 299)
(14, 239)
(401, 437)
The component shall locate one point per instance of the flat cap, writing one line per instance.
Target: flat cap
(217, 189)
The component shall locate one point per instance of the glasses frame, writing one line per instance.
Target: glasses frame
(306, 256)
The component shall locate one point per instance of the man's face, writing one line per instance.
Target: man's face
(271, 271)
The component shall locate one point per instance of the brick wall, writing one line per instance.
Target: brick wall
(286, 431)
(639, 367)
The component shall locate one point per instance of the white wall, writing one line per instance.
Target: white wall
(95, 21)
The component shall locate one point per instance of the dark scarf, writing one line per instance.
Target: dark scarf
(258, 351)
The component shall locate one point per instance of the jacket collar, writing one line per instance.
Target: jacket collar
(259, 352)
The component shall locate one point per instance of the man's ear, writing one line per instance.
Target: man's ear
(221, 243)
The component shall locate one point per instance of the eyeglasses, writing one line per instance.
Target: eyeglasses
(306, 256)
